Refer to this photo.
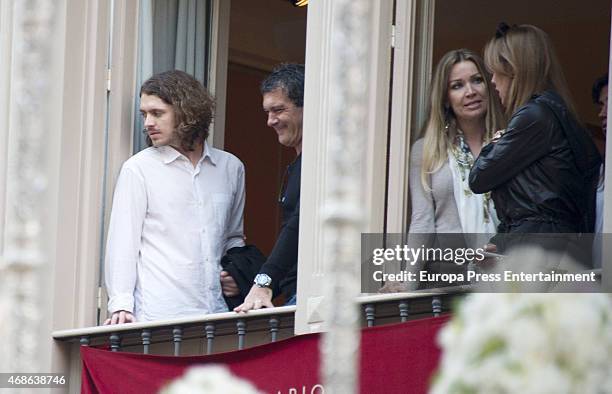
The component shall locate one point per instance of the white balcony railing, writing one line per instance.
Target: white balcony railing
(220, 332)
(204, 334)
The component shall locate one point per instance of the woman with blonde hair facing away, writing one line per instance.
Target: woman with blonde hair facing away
(462, 115)
(542, 169)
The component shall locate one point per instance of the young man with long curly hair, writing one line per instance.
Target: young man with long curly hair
(177, 209)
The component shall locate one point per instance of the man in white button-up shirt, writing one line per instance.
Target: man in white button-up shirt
(177, 209)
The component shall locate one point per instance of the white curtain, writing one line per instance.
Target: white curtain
(173, 35)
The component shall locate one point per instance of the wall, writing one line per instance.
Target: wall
(266, 32)
(580, 32)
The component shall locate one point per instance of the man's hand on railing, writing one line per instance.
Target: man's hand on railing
(120, 317)
(258, 297)
(228, 285)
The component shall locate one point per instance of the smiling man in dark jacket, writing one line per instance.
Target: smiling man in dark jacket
(283, 99)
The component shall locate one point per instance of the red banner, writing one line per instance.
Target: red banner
(397, 358)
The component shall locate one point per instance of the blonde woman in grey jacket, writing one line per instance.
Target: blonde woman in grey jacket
(463, 113)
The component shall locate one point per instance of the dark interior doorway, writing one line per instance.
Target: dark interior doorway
(263, 34)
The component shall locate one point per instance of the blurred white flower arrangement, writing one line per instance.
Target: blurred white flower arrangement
(209, 379)
(527, 343)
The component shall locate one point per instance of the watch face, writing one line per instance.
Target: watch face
(263, 280)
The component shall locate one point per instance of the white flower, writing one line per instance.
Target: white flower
(209, 379)
(528, 343)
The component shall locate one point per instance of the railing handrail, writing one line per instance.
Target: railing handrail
(76, 333)
(390, 297)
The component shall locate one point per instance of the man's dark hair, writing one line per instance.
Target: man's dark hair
(290, 78)
(599, 84)
(193, 106)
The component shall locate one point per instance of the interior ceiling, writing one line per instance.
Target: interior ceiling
(479, 18)
(469, 15)
(580, 31)
(270, 29)
(273, 31)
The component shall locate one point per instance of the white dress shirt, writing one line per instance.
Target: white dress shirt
(170, 225)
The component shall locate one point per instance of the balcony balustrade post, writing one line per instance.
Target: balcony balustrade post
(274, 323)
(177, 337)
(241, 326)
(436, 306)
(403, 311)
(115, 342)
(370, 311)
(209, 329)
(146, 340)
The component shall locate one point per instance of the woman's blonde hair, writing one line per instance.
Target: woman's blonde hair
(440, 125)
(525, 54)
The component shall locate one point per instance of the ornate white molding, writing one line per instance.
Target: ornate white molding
(343, 213)
(23, 259)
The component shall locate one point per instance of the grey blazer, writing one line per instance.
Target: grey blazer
(434, 211)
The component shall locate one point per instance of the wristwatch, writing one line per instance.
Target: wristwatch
(262, 280)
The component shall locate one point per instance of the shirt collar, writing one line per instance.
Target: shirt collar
(169, 154)
(210, 153)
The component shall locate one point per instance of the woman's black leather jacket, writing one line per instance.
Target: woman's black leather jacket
(542, 172)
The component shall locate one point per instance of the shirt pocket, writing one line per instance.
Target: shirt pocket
(221, 205)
